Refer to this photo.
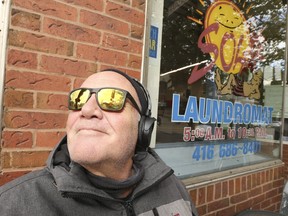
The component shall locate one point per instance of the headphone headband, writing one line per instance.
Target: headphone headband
(146, 123)
(141, 91)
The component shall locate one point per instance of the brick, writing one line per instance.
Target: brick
(249, 182)
(263, 177)
(231, 187)
(265, 204)
(202, 210)
(29, 159)
(218, 190)
(201, 196)
(243, 206)
(258, 206)
(279, 184)
(48, 139)
(210, 193)
(140, 4)
(67, 66)
(230, 211)
(133, 73)
(224, 189)
(78, 82)
(34, 120)
(125, 13)
(70, 31)
(271, 175)
(22, 59)
(239, 197)
(17, 139)
(272, 193)
(243, 183)
(98, 54)
(259, 180)
(277, 200)
(278, 172)
(255, 180)
(52, 101)
(267, 176)
(5, 160)
(29, 80)
(258, 199)
(137, 32)
(269, 208)
(193, 195)
(237, 185)
(135, 61)
(121, 43)
(40, 43)
(49, 7)
(219, 204)
(91, 4)
(21, 99)
(99, 21)
(25, 20)
(256, 190)
(127, 2)
(9, 176)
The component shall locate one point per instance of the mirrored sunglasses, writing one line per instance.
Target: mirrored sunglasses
(108, 98)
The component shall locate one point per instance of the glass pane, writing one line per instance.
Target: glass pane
(220, 92)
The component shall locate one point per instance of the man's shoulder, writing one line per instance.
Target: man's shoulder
(34, 177)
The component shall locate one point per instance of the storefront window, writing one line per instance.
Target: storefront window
(221, 84)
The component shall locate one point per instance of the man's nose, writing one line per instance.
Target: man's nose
(91, 108)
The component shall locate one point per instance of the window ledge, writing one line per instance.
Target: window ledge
(197, 181)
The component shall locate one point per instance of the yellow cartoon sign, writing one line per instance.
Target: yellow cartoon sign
(231, 38)
(227, 39)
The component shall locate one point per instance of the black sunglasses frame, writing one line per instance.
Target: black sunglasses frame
(96, 90)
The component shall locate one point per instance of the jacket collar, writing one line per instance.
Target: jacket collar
(70, 177)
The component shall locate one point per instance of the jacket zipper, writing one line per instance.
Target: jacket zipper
(129, 208)
(128, 204)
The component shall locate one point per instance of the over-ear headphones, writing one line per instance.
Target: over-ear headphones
(146, 123)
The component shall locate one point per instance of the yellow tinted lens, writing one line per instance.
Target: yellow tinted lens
(111, 99)
(78, 98)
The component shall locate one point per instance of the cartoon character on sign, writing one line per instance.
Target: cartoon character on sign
(230, 46)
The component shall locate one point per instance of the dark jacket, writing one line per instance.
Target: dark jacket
(62, 189)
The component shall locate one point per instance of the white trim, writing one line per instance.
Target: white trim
(150, 65)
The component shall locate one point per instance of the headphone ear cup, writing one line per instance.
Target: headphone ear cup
(145, 128)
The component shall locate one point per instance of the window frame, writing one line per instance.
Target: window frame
(150, 78)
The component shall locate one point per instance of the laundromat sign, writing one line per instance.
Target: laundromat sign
(218, 112)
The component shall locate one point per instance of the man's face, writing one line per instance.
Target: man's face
(98, 138)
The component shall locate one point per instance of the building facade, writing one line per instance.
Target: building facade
(215, 69)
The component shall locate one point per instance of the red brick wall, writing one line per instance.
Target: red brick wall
(53, 45)
(259, 191)
(285, 160)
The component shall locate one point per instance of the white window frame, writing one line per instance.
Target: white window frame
(151, 77)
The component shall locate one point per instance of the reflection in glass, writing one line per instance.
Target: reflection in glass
(221, 52)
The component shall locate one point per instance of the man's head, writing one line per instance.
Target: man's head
(102, 132)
